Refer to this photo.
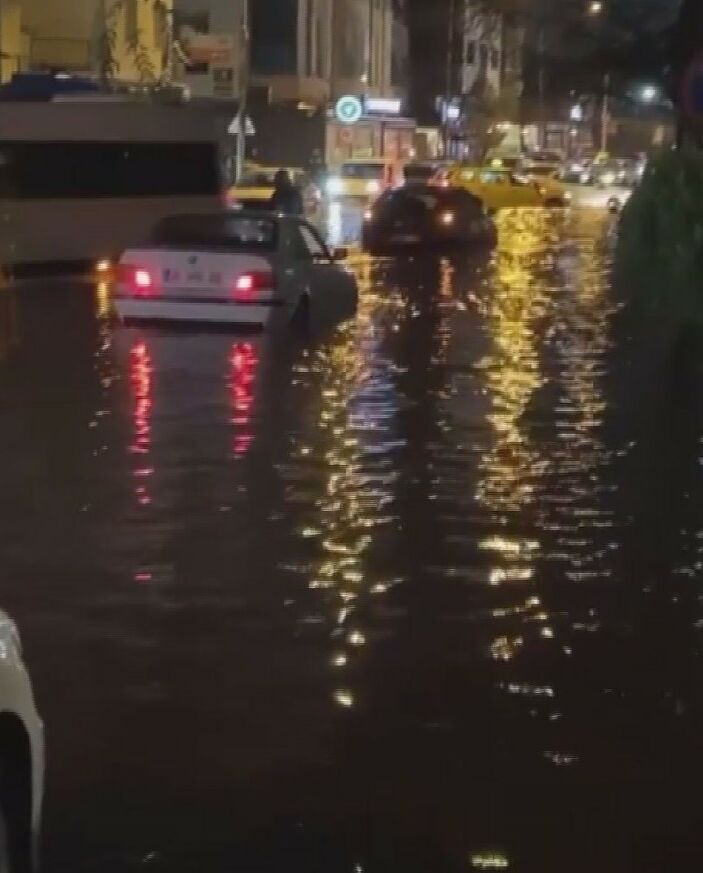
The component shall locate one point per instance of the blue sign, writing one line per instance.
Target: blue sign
(348, 109)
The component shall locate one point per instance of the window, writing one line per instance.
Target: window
(483, 56)
(471, 52)
(131, 21)
(362, 171)
(217, 231)
(77, 170)
(495, 58)
(493, 177)
(308, 244)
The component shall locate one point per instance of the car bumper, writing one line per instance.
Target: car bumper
(210, 312)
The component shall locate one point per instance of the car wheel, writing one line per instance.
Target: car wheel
(300, 321)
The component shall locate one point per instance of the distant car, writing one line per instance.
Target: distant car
(248, 268)
(255, 188)
(427, 216)
(21, 758)
(501, 189)
(363, 179)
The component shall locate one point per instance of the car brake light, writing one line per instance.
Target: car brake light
(142, 278)
(139, 280)
(250, 285)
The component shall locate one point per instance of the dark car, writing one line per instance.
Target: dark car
(426, 216)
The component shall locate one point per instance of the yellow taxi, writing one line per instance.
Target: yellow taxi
(255, 188)
(501, 188)
(364, 178)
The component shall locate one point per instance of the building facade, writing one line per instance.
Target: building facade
(128, 40)
(211, 46)
(291, 49)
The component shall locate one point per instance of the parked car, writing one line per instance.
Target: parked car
(21, 758)
(249, 268)
(427, 217)
(255, 188)
(499, 188)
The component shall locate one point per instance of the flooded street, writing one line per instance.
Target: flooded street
(390, 600)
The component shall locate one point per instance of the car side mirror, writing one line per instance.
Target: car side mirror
(341, 253)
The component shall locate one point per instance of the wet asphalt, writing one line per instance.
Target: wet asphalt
(391, 598)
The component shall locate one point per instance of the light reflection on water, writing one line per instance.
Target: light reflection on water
(391, 606)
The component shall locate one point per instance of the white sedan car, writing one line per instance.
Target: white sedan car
(21, 758)
(236, 268)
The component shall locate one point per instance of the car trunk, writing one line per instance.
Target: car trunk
(182, 273)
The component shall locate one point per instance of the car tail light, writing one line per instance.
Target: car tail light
(139, 280)
(249, 286)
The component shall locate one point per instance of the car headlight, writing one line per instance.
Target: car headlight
(584, 178)
(607, 178)
(373, 187)
(334, 186)
(447, 219)
(567, 196)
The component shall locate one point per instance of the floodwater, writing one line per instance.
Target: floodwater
(404, 597)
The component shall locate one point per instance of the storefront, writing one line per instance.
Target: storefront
(369, 128)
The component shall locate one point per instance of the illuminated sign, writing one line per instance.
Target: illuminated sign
(383, 105)
(348, 109)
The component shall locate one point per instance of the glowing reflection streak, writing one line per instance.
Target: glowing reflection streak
(243, 364)
(357, 405)
(141, 373)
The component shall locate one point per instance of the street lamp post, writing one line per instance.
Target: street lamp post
(449, 77)
(605, 114)
(244, 75)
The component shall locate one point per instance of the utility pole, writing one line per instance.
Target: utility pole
(244, 76)
(605, 114)
(449, 81)
(541, 47)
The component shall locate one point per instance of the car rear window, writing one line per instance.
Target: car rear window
(419, 172)
(256, 179)
(229, 231)
(361, 171)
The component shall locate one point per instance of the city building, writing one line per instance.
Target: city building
(291, 50)
(365, 33)
(211, 51)
(125, 40)
(11, 43)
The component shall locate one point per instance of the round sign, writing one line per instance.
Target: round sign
(348, 109)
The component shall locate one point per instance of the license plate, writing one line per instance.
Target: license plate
(405, 238)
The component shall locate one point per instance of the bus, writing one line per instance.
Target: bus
(81, 181)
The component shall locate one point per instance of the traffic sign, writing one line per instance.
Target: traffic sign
(348, 109)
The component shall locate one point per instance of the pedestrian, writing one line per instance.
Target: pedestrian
(286, 197)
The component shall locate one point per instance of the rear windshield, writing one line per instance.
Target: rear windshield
(264, 178)
(541, 170)
(361, 171)
(428, 200)
(256, 179)
(419, 172)
(239, 232)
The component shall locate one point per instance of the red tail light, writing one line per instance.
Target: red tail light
(250, 286)
(139, 280)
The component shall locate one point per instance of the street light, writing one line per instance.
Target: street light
(595, 7)
(648, 93)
